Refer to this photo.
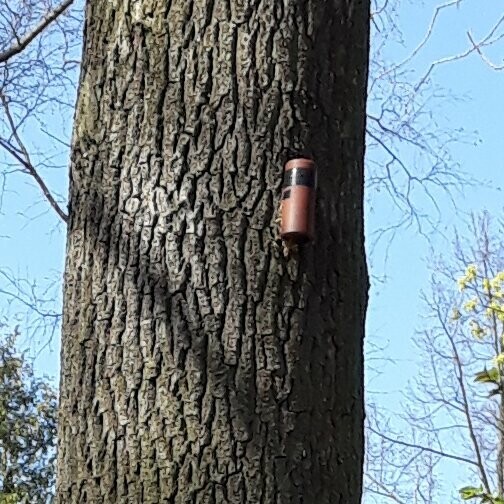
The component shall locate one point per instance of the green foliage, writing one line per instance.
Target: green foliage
(488, 376)
(11, 498)
(484, 309)
(27, 430)
(470, 492)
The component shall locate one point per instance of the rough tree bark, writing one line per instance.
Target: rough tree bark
(198, 364)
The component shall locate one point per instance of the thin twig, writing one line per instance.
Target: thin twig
(385, 491)
(475, 47)
(465, 404)
(25, 41)
(482, 54)
(23, 157)
(426, 38)
(425, 448)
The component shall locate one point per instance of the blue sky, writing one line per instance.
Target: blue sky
(395, 309)
(34, 247)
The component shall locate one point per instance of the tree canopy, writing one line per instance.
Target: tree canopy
(27, 429)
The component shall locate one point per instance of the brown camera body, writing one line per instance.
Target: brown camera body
(298, 201)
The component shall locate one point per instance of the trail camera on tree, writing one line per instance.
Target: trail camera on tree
(198, 364)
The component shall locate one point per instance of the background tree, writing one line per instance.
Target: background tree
(28, 408)
(454, 408)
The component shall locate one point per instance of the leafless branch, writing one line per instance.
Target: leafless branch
(20, 153)
(466, 405)
(385, 492)
(424, 448)
(27, 39)
(489, 39)
(477, 47)
(427, 36)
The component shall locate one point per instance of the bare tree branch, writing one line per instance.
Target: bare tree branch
(23, 42)
(427, 36)
(424, 448)
(475, 47)
(22, 156)
(385, 491)
(465, 402)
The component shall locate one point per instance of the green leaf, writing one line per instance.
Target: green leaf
(469, 492)
(488, 376)
(9, 498)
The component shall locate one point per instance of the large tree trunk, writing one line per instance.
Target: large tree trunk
(199, 365)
